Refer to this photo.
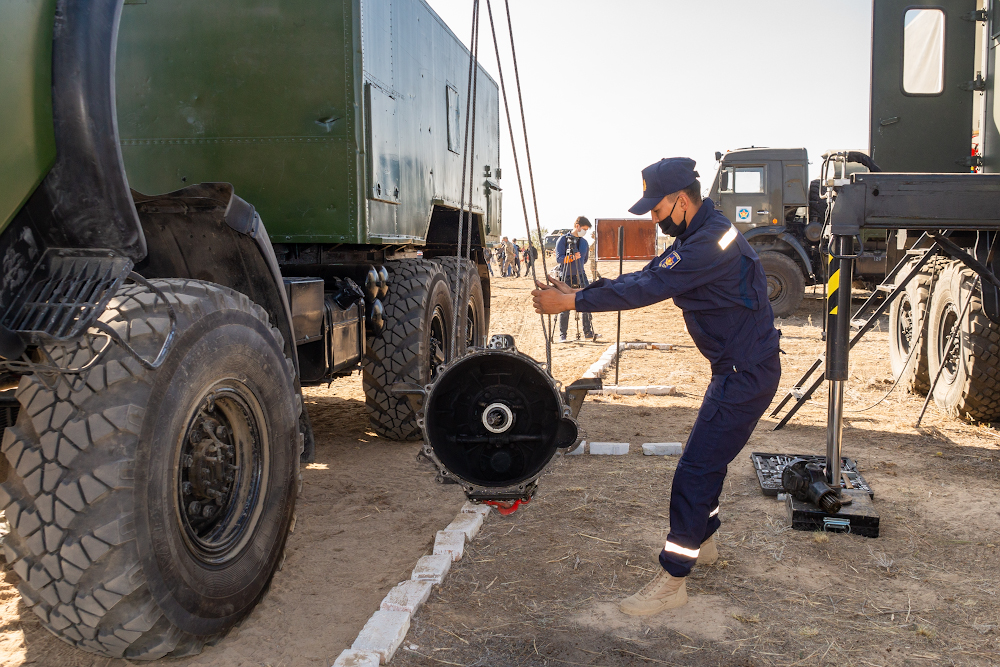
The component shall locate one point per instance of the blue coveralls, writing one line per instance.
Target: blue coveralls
(715, 277)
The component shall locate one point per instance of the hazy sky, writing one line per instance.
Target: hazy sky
(611, 87)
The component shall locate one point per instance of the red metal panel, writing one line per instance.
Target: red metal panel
(640, 238)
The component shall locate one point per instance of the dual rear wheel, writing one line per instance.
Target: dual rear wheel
(940, 337)
(415, 343)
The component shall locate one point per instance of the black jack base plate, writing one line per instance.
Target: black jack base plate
(857, 518)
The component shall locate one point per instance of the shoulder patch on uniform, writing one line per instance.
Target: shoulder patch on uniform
(670, 260)
(728, 237)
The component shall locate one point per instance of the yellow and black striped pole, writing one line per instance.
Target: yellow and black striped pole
(838, 327)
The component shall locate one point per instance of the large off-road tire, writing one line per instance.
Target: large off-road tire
(969, 385)
(785, 283)
(476, 324)
(102, 470)
(414, 342)
(908, 323)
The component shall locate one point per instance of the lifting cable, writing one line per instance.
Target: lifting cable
(546, 331)
(468, 168)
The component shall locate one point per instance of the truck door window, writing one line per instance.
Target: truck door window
(726, 179)
(748, 180)
(923, 52)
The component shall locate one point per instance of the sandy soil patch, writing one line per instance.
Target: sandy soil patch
(541, 587)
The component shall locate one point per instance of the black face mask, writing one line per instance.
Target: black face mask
(671, 228)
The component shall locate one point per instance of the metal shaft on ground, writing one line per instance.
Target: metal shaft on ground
(618, 333)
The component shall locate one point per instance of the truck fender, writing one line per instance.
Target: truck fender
(779, 233)
(206, 232)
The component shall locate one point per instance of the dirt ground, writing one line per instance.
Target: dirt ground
(540, 587)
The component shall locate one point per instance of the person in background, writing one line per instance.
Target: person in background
(530, 255)
(517, 260)
(572, 251)
(508, 257)
(488, 256)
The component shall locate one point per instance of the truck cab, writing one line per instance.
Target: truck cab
(766, 193)
(762, 187)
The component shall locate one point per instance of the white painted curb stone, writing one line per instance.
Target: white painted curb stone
(383, 633)
(407, 596)
(598, 368)
(662, 448)
(352, 658)
(467, 523)
(609, 448)
(581, 449)
(386, 629)
(450, 543)
(432, 568)
(637, 390)
(476, 508)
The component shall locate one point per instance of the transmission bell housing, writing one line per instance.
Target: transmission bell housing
(492, 421)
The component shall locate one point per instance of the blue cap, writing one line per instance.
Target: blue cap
(669, 175)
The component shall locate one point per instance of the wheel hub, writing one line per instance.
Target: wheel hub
(438, 341)
(774, 288)
(904, 329)
(949, 355)
(211, 469)
(221, 472)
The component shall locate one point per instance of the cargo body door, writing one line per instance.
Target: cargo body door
(381, 120)
(743, 194)
(923, 61)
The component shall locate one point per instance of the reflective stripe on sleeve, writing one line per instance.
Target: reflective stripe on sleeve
(682, 551)
(727, 238)
(713, 512)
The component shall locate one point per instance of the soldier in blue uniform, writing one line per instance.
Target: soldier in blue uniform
(715, 278)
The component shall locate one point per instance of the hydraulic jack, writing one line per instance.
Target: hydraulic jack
(857, 513)
(848, 498)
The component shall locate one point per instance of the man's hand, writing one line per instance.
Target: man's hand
(558, 284)
(569, 259)
(552, 300)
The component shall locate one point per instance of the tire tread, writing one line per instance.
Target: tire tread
(71, 453)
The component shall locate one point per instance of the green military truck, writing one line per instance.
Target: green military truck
(767, 194)
(154, 335)
(934, 132)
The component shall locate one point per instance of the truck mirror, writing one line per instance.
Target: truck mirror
(718, 156)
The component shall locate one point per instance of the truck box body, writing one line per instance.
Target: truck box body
(341, 120)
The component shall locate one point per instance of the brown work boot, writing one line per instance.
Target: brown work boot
(708, 554)
(663, 592)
